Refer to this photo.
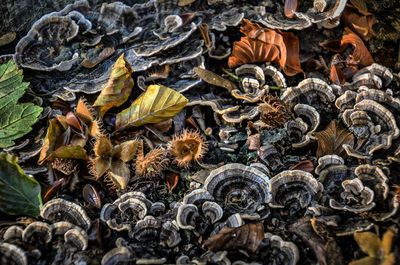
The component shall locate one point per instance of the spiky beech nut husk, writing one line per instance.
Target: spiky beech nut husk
(152, 164)
(187, 147)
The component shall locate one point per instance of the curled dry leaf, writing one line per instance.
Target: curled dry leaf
(54, 131)
(331, 140)
(90, 194)
(246, 237)
(158, 103)
(360, 55)
(289, 7)
(118, 87)
(266, 45)
(359, 20)
(172, 180)
(214, 79)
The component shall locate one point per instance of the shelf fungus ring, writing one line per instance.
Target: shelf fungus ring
(239, 188)
(294, 190)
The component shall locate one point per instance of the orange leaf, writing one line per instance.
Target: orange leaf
(360, 55)
(171, 180)
(289, 7)
(266, 45)
(331, 140)
(359, 20)
(336, 75)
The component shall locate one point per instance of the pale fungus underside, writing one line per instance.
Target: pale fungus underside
(200, 132)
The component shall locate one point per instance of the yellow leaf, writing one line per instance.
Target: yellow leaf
(387, 241)
(118, 87)
(158, 103)
(388, 260)
(369, 243)
(53, 132)
(366, 261)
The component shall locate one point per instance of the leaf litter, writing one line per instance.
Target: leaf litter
(197, 133)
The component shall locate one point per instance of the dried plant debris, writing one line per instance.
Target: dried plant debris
(201, 132)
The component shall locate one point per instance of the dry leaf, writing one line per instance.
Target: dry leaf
(54, 131)
(266, 45)
(336, 75)
(378, 250)
(305, 165)
(331, 140)
(118, 87)
(360, 55)
(289, 7)
(326, 252)
(158, 103)
(359, 20)
(68, 152)
(214, 79)
(246, 237)
(172, 180)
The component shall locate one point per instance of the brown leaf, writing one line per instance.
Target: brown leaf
(266, 45)
(118, 87)
(327, 253)
(359, 20)
(360, 55)
(331, 140)
(246, 237)
(90, 194)
(172, 180)
(289, 7)
(214, 79)
(54, 131)
(305, 165)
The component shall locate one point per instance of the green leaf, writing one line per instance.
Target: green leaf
(19, 194)
(15, 119)
(158, 103)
